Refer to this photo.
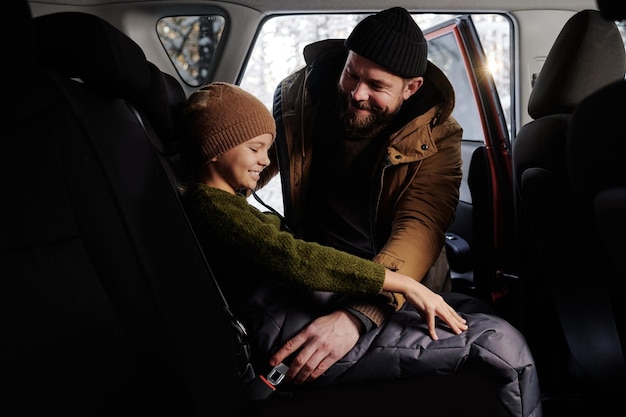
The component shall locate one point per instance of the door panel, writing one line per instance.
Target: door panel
(480, 239)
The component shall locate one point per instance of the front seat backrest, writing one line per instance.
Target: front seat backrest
(596, 148)
(560, 274)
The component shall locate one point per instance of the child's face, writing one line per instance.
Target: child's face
(241, 166)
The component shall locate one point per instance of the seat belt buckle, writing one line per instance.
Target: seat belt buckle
(262, 387)
(277, 374)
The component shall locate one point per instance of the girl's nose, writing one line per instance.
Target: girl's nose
(265, 160)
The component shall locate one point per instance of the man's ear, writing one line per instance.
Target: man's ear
(411, 86)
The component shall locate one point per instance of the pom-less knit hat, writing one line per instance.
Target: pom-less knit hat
(392, 39)
(220, 116)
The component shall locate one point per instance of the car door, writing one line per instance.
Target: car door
(480, 241)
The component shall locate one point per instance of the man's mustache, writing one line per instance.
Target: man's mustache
(361, 105)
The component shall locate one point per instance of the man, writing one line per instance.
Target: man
(370, 160)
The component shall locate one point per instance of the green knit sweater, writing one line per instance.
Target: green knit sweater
(238, 238)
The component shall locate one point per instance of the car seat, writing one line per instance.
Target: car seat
(595, 150)
(108, 304)
(568, 318)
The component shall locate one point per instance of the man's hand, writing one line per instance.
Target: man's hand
(321, 344)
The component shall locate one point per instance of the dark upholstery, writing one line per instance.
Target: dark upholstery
(599, 181)
(612, 9)
(568, 316)
(596, 147)
(18, 62)
(109, 63)
(107, 306)
(103, 57)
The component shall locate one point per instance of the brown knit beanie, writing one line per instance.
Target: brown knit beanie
(392, 39)
(220, 116)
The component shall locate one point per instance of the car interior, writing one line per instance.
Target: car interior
(111, 309)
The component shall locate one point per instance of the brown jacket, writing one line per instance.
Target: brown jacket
(415, 188)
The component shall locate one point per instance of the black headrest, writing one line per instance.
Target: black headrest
(86, 47)
(21, 22)
(22, 52)
(587, 55)
(612, 9)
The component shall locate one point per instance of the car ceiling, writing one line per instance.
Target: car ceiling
(270, 6)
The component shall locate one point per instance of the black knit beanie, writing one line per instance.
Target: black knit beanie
(392, 39)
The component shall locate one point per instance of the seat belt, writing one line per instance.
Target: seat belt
(255, 386)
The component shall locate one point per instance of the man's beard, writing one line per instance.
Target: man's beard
(363, 126)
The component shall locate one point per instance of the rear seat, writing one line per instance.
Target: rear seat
(107, 300)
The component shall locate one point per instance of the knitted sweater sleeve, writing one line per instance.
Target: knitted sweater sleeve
(240, 231)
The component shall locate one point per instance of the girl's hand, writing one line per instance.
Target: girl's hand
(428, 303)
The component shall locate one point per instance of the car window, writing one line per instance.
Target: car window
(443, 51)
(278, 52)
(281, 40)
(191, 42)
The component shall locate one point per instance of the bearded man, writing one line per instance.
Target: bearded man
(370, 163)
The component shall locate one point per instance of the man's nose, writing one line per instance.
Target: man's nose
(360, 92)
